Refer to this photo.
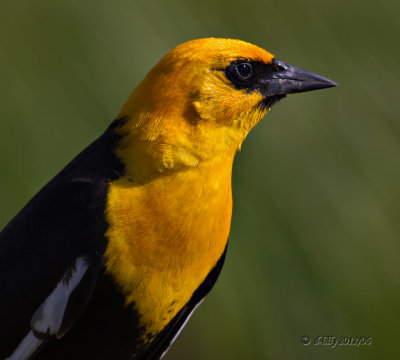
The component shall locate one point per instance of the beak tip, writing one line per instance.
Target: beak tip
(319, 82)
(332, 84)
(325, 82)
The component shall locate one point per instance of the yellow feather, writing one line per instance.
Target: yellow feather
(170, 215)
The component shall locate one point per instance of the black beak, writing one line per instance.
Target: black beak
(289, 79)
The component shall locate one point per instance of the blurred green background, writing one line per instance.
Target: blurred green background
(314, 247)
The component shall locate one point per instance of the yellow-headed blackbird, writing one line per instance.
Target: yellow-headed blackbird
(112, 256)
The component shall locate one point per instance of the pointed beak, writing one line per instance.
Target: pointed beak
(290, 79)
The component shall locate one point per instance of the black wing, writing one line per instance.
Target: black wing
(55, 244)
(49, 254)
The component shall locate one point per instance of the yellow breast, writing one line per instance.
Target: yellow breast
(166, 236)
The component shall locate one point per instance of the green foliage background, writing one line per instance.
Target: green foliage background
(314, 247)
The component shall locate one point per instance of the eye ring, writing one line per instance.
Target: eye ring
(244, 70)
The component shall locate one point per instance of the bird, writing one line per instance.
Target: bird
(112, 256)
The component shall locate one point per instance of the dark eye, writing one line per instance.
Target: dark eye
(244, 70)
(242, 73)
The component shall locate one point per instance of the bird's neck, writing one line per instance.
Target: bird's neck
(169, 139)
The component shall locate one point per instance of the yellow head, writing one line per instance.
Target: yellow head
(203, 98)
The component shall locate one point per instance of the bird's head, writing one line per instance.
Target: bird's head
(205, 95)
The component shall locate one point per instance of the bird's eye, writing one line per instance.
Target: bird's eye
(244, 70)
(241, 73)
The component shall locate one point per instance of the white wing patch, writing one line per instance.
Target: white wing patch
(48, 317)
(26, 348)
